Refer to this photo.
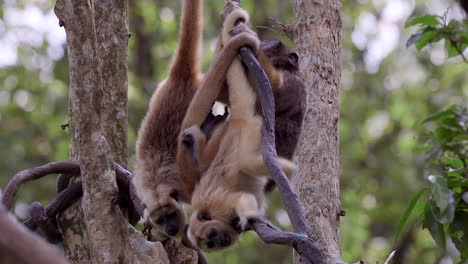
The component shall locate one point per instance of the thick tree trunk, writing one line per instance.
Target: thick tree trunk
(95, 230)
(317, 38)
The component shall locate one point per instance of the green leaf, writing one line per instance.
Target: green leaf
(440, 193)
(415, 37)
(451, 49)
(455, 163)
(459, 233)
(408, 211)
(429, 35)
(429, 20)
(439, 116)
(435, 228)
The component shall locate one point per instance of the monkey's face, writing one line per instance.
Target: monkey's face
(279, 55)
(167, 215)
(211, 230)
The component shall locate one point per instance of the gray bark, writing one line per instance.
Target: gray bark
(317, 38)
(96, 231)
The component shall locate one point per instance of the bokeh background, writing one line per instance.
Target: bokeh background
(386, 92)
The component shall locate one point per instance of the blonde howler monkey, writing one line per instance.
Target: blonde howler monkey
(157, 182)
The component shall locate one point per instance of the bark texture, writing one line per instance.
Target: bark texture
(97, 36)
(317, 38)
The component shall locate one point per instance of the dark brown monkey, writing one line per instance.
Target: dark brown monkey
(156, 180)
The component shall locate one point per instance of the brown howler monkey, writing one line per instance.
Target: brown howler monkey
(156, 180)
(232, 186)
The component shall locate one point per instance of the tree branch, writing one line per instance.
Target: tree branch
(45, 218)
(36, 173)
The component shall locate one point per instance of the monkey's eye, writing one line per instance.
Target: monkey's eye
(204, 216)
(172, 215)
(160, 220)
(293, 57)
(175, 195)
(235, 223)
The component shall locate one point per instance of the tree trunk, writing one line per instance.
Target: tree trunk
(317, 38)
(95, 230)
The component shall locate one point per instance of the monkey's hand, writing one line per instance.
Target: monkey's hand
(242, 37)
(234, 16)
(228, 9)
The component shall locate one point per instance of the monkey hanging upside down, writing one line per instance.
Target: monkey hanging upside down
(162, 184)
(231, 188)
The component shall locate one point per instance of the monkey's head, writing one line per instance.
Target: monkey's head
(219, 218)
(280, 56)
(167, 214)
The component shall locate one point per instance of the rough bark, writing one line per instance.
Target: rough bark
(317, 38)
(97, 51)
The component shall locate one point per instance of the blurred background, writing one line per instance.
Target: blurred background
(387, 91)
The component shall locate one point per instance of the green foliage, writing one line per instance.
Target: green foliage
(432, 29)
(446, 209)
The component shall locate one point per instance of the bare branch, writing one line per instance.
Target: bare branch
(34, 174)
(306, 247)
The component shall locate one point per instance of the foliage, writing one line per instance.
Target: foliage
(433, 28)
(446, 209)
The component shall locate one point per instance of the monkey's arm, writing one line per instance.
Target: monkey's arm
(201, 105)
(186, 61)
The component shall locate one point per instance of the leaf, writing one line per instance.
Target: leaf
(440, 193)
(447, 214)
(439, 115)
(459, 233)
(451, 49)
(429, 20)
(409, 210)
(455, 163)
(415, 37)
(429, 35)
(435, 228)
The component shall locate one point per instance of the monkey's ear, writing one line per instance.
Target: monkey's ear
(293, 58)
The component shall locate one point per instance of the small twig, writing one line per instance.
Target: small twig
(276, 21)
(269, 28)
(459, 51)
(390, 257)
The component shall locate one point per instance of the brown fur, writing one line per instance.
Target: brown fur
(157, 180)
(156, 176)
(232, 186)
(290, 100)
